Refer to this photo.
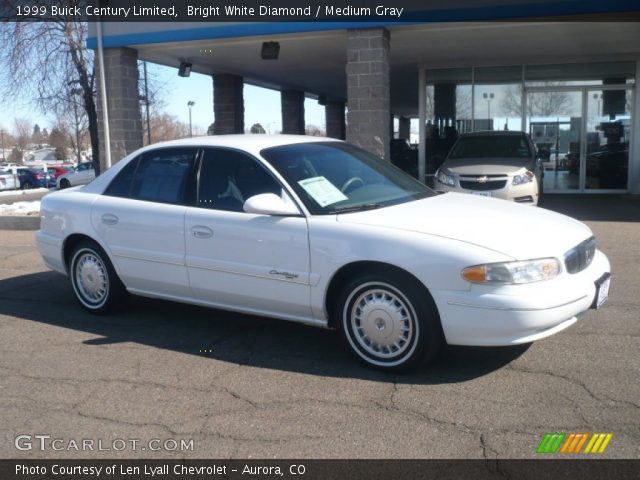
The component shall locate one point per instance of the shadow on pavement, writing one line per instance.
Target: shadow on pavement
(603, 208)
(46, 297)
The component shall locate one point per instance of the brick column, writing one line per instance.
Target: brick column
(228, 104)
(292, 111)
(369, 113)
(404, 128)
(334, 119)
(123, 104)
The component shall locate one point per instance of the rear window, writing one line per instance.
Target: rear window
(492, 146)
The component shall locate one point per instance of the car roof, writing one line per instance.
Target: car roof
(252, 142)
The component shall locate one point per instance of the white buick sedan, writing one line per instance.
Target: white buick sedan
(323, 233)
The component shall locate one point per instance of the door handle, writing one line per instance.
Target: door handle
(200, 231)
(109, 219)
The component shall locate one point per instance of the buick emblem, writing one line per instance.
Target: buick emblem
(483, 179)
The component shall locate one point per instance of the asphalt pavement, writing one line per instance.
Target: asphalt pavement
(242, 386)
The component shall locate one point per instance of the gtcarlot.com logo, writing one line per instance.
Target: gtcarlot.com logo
(560, 442)
(43, 442)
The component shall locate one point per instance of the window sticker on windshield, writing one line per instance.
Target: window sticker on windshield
(322, 191)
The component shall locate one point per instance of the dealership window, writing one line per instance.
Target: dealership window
(579, 116)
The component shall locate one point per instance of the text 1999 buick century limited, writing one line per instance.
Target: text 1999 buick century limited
(323, 233)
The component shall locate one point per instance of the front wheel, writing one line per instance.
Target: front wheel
(94, 280)
(389, 321)
(64, 183)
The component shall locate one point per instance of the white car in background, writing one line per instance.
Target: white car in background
(323, 233)
(81, 175)
(8, 180)
(500, 164)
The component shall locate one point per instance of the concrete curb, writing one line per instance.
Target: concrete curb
(19, 222)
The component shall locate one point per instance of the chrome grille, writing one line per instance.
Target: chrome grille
(581, 256)
(483, 186)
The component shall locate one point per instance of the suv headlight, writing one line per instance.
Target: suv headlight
(526, 177)
(504, 273)
(445, 179)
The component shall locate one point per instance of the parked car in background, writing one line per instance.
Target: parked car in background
(323, 233)
(610, 165)
(552, 159)
(32, 177)
(404, 157)
(81, 175)
(8, 180)
(500, 164)
(57, 170)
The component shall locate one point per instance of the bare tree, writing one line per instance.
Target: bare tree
(257, 128)
(314, 130)
(43, 61)
(22, 133)
(539, 104)
(167, 127)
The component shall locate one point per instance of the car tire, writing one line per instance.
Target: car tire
(64, 183)
(371, 303)
(95, 282)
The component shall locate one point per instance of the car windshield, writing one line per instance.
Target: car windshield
(491, 146)
(332, 177)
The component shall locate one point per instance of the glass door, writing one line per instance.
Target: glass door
(582, 137)
(555, 122)
(608, 123)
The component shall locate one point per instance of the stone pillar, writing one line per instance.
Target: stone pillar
(404, 128)
(292, 111)
(123, 104)
(368, 96)
(334, 119)
(228, 104)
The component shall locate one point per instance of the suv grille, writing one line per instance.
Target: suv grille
(581, 256)
(488, 185)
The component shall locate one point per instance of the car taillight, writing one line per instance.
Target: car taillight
(39, 176)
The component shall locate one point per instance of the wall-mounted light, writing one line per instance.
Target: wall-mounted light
(185, 69)
(270, 50)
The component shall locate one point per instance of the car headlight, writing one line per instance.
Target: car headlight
(445, 179)
(526, 177)
(527, 271)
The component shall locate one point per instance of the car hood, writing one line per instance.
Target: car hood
(519, 231)
(485, 166)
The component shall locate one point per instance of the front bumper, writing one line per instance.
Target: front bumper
(526, 194)
(515, 314)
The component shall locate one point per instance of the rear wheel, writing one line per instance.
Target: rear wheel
(388, 321)
(94, 280)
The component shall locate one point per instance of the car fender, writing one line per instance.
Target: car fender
(435, 261)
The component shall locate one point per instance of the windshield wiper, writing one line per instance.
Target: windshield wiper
(358, 208)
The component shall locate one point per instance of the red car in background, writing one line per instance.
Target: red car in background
(57, 170)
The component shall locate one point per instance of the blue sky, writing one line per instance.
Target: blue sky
(261, 105)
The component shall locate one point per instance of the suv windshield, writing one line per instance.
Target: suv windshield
(335, 177)
(491, 146)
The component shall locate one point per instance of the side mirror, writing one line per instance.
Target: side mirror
(269, 204)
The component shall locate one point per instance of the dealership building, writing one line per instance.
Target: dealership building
(570, 81)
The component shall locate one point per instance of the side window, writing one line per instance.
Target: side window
(162, 175)
(120, 186)
(228, 178)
